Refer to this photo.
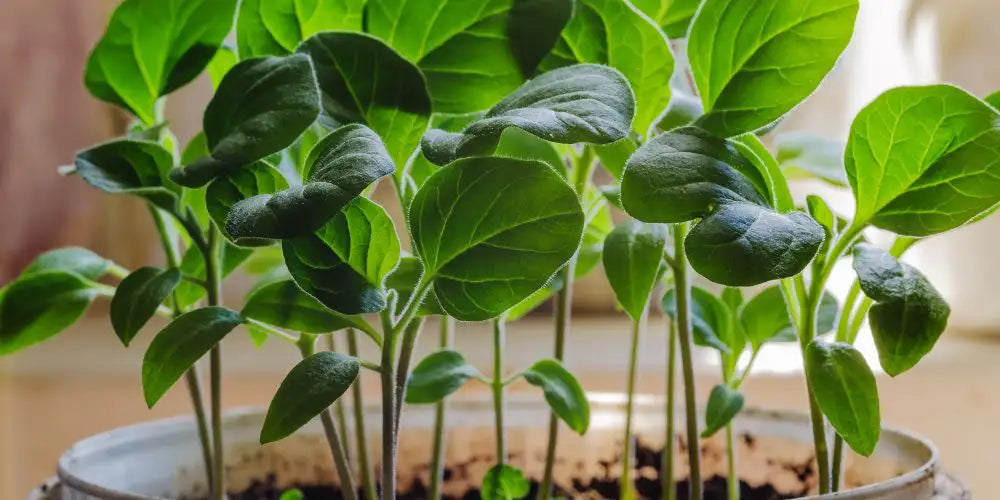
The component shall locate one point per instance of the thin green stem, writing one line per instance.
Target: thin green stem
(338, 406)
(445, 340)
(409, 342)
(667, 473)
(213, 276)
(360, 435)
(625, 485)
(838, 460)
(683, 296)
(564, 303)
(499, 342)
(732, 480)
(858, 320)
(746, 371)
(850, 303)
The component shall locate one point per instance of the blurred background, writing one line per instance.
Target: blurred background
(84, 382)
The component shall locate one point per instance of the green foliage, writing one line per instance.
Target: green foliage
(765, 317)
(41, 304)
(844, 388)
(76, 260)
(633, 257)
(233, 188)
(126, 166)
(308, 389)
(404, 281)
(438, 375)
(281, 303)
(137, 297)
(504, 482)
(292, 494)
(673, 16)
(723, 404)
(193, 265)
(562, 392)
(276, 27)
(711, 321)
(808, 155)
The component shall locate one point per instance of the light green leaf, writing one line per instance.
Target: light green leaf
(909, 315)
(755, 60)
(582, 103)
(710, 318)
(41, 304)
(153, 47)
(276, 27)
(126, 166)
(492, 231)
(281, 303)
(76, 260)
(808, 155)
(292, 494)
(504, 482)
(363, 80)
(844, 387)
(563, 393)
(765, 317)
(308, 390)
(233, 188)
(684, 109)
(673, 16)
(613, 156)
(182, 343)
(633, 253)
(137, 297)
(993, 99)
(723, 404)
(221, 63)
(438, 375)
(916, 179)
(472, 53)
(193, 264)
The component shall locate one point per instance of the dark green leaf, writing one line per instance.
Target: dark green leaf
(754, 60)
(138, 296)
(809, 155)
(504, 482)
(39, 305)
(633, 253)
(844, 387)
(563, 393)
(582, 103)
(909, 315)
(437, 376)
(76, 260)
(710, 318)
(308, 390)
(234, 188)
(404, 279)
(282, 304)
(492, 231)
(130, 167)
(182, 343)
(516, 143)
(915, 179)
(723, 404)
(276, 27)
(153, 47)
(363, 80)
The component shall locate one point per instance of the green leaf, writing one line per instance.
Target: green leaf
(276, 27)
(684, 109)
(598, 224)
(492, 231)
(808, 155)
(137, 297)
(338, 169)
(504, 482)
(258, 336)
(180, 345)
(615, 33)
(909, 315)
(765, 317)
(710, 318)
(582, 103)
(345, 263)
(673, 16)
(221, 63)
(281, 303)
(563, 393)
(993, 99)
(363, 80)
(472, 53)
(687, 174)
(193, 264)
(754, 60)
(126, 166)
(76, 260)
(438, 375)
(633, 253)
(516, 143)
(844, 387)
(308, 390)
(533, 301)
(916, 179)
(153, 47)
(613, 156)
(41, 304)
(233, 188)
(404, 280)
(723, 404)
(292, 494)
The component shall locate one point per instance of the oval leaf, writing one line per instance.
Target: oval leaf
(138, 296)
(710, 318)
(76, 260)
(844, 387)
(309, 389)
(633, 257)
(283, 304)
(563, 393)
(908, 316)
(504, 482)
(182, 343)
(492, 231)
(276, 27)
(723, 404)
(126, 166)
(39, 305)
(437, 376)
(233, 189)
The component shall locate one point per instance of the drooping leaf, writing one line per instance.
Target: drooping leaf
(338, 169)
(504, 482)
(844, 387)
(404, 280)
(492, 231)
(633, 253)
(616, 33)
(765, 317)
(137, 297)
(126, 166)
(153, 47)
(908, 316)
(563, 393)
(281, 303)
(76, 260)
(472, 53)
(363, 80)
(276, 27)
(581, 103)
(182, 343)
(723, 404)
(915, 179)
(233, 188)
(309, 389)
(438, 375)
(41, 304)
(809, 155)
(710, 318)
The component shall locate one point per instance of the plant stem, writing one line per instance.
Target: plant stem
(626, 487)
(667, 473)
(564, 303)
(213, 276)
(446, 332)
(410, 335)
(360, 435)
(499, 341)
(388, 377)
(683, 294)
(338, 406)
(732, 481)
(838, 457)
(806, 333)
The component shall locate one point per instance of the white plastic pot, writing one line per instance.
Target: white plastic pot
(162, 459)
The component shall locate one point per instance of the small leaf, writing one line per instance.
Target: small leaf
(76, 260)
(710, 318)
(809, 155)
(909, 315)
(504, 482)
(137, 297)
(438, 375)
(581, 103)
(125, 166)
(41, 304)
(309, 389)
(723, 404)
(633, 253)
(234, 188)
(182, 343)
(292, 494)
(563, 393)
(276, 27)
(844, 387)
(282, 304)
(765, 317)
